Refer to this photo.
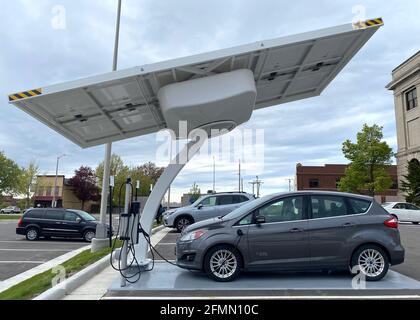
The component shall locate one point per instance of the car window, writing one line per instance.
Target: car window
(286, 209)
(54, 215)
(239, 199)
(399, 206)
(34, 214)
(359, 206)
(209, 202)
(247, 220)
(328, 206)
(70, 216)
(411, 207)
(225, 200)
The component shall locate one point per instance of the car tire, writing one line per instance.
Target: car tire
(372, 261)
(394, 216)
(182, 222)
(416, 222)
(32, 234)
(88, 235)
(217, 257)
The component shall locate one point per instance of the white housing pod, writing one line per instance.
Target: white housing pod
(221, 101)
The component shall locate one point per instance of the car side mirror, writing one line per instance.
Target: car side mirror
(199, 206)
(78, 220)
(259, 219)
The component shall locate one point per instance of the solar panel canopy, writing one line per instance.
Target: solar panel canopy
(124, 104)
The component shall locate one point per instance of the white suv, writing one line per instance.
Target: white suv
(206, 207)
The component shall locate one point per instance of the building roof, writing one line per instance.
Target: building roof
(406, 61)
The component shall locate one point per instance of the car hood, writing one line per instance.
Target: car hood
(209, 223)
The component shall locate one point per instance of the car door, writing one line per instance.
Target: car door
(401, 212)
(226, 204)
(332, 226)
(281, 242)
(207, 209)
(71, 226)
(52, 222)
(414, 212)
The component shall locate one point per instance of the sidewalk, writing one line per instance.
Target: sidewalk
(96, 288)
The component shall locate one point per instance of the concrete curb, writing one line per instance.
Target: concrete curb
(69, 285)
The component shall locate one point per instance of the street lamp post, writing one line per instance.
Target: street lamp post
(53, 203)
(101, 231)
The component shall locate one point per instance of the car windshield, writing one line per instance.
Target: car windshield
(246, 208)
(86, 216)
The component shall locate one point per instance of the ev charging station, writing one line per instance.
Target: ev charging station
(215, 92)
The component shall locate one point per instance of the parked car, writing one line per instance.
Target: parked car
(403, 211)
(206, 207)
(54, 222)
(10, 210)
(295, 231)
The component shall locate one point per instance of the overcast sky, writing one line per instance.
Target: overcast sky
(38, 48)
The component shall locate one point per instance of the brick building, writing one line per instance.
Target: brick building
(43, 194)
(326, 178)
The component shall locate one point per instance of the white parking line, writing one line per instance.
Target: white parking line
(38, 250)
(23, 262)
(46, 242)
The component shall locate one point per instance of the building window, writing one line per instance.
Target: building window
(40, 191)
(49, 189)
(313, 183)
(337, 182)
(411, 99)
(394, 185)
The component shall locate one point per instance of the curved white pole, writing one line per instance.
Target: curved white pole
(152, 204)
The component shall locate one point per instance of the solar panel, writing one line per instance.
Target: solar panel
(124, 104)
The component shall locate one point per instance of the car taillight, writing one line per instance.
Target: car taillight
(391, 223)
(20, 222)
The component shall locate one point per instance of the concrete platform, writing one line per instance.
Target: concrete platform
(167, 281)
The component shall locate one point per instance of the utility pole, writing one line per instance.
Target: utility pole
(239, 174)
(214, 174)
(54, 201)
(257, 183)
(101, 230)
(290, 183)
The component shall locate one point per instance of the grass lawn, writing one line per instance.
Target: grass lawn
(10, 216)
(39, 283)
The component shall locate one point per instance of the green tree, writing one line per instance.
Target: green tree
(195, 192)
(84, 184)
(370, 158)
(10, 176)
(28, 180)
(411, 183)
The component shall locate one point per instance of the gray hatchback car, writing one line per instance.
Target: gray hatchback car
(295, 232)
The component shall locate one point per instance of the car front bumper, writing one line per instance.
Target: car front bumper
(188, 255)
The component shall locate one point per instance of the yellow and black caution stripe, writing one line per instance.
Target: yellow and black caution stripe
(368, 23)
(25, 94)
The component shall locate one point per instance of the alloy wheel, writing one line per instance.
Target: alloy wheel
(371, 262)
(183, 223)
(32, 234)
(223, 264)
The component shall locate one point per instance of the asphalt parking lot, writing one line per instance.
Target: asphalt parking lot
(18, 255)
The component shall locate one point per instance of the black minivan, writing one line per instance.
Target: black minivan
(55, 222)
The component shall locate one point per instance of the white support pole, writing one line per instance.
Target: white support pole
(101, 229)
(158, 192)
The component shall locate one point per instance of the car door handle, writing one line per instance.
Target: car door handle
(296, 230)
(348, 224)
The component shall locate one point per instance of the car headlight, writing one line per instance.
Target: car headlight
(169, 212)
(193, 235)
